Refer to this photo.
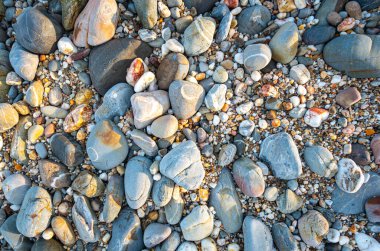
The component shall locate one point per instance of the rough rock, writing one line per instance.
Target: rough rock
(66, 149)
(349, 177)
(53, 174)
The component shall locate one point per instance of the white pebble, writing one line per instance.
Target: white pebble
(174, 46)
(301, 90)
(48, 234)
(256, 76)
(66, 46)
(216, 120)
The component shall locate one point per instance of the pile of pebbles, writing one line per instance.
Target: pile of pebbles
(190, 125)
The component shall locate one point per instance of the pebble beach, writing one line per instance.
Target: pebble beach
(190, 125)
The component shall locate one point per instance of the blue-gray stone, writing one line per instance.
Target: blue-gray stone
(224, 28)
(53, 174)
(114, 198)
(353, 203)
(172, 242)
(281, 153)
(253, 20)
(15, 187)
(320, 160)
(66, 149)
(155, 233)
(23, 62)
(319, 34)
(200, 5)
(162, 191)
(51, 245)
(226, 203)
(147, 12)
(328, 6)
(283, 238)
(355, 55)
(10, 233)
(369, 4)
(220, 11)
(127, 233)
(173, 210)
(41, 150)
(257, 236)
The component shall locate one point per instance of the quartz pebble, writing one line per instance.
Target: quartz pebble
(349, 177)
(257, 56)
(198, 224)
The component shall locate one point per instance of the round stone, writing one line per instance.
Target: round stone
(284, 43)
(350, 177)
(253, 20)
(174, 66)
(198, 36)
(313, 227)
(249, 177)
(15, 187)
(257, 56)
(164, 126)
(155, 233)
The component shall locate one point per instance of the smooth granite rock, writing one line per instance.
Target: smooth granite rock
(23, 62)
(173, 210)
(113, 199)
(155, 233)
(226, 202)
(162, 191)
(198, 224)
(8, 118)
(66, 149)
(15, 187)
(198, 36)
(253, 20)
(165, 126)
(15, 239)
(283, 238)
(257, 236)
(248, 177)
(320, 160)
(281, 153)
(53, 174)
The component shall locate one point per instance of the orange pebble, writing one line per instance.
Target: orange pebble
(370, 132)
(276, 123)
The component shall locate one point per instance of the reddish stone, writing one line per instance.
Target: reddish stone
(375, 146)
(348, 97)
(232, 3)
(372, 209)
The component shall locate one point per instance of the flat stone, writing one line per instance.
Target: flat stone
(147, 12)
(253, 20)
(257, 236)
(284, 43)
(85, 219)
(158, 103)
(109, 62)
(35, 132)
(66, 149)
(155, 233)
(138, 181)
(23, 62)
(174, 209)
(114, 196)
(198, 224)
(200, 5)
(216, 97)
(107, 146)
(349, 177)
(320, 160)
(55, 96)
(127, 233)
(164, 126)
(35, 212)
(226, 203)
(248, 177)
(20, 136)
(146, 143)
(88, 184)
(289, 202)
(70, 11)
(185, 98)
(37, 31)
(15, 187)
(198, 36)
(283, 238)
(360, 155)
(53, 174)
(34, 94)
(63, 230)
(174, 66)
(257, 56)
(313, 227)
(348, 97)
(281, 153)
(226, 154)
(183, 165)
(318, 34)
(162, 191)
(361, 62)
(14, 238)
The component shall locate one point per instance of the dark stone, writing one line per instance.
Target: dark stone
(201, 6)
(372, 209)
(14, 238)
(254, 19)
(283, 238)
(108, 63)
(66, 149)
(51, 245)
(220, 11)
(355, 55)
(369, 4)
(37, 31)
(360, 155)
(319, 34)
(332, 247)
(327, 7)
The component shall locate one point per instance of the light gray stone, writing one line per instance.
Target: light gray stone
(198, 36)
(146, 143)
(198, 224)
(249, 177)
(320, 160)
(257, 236)
(173, 210)
(15, 187)
(23, 62)
(162, 191)
(155, 233)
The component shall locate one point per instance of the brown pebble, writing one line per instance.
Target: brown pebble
(271, 114)
(334, 18)
(153, 215)
(49, 130)
(354, 10)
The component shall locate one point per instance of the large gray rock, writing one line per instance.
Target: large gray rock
(185, 98)
(320, 160)
(108, 63)
(155, 233)
(127, 233)
(162, 191)
(53, 174)
(174, 66)
(198, 36)
(173, 210)
(85, 219)
(147, 12)
(200, 5)
(284, 43)
(20, 136)
(15, 187)
(183, 165)
(198, 224)
(23, 62)
(37, 31)
(283, 238)
(353, 203)
(138, 181)
(35, 212)
(226, 203)
(249, 177)
(10, 233)
(253, 20)
(114, 198)
(281, 153)
(355, 55)
(116, 102)
(106, 146)
(257, 236)
(66, 149)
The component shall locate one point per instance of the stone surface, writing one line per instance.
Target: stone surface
(286, 5)
(216, 97)
(88, 184)
(284, 43)
(53, 174)
(155, 233)
(147, 106)
(187, 169)
(37, 31)
(248, 177)
(369, 4)
(313, 227)
(300, 74)
(55, 96)
(43, 244)
(283, 238)
(224, 28)
(23, 62)
(318, 34)
(327, 7)
(109, 62)
(162, 191)
(348, 97)
(320, 160)
(198, 36)
(315, 116)
(96, 24)
(15, 187)
(8, 118)
(185, 98)
(281, 153)
(146, 143)
(63, 230)
(70, 11)
(147, 12)
(354, 55)
(106, 146)
(77, 118)
(138, 181)
(375, 147)
(14, 238)
(257, 56)
(5, 64)
(366, 242)
(165, 126)
(254, 19)
(66, 149)
(34, 94)
(54, 112)
(372, 206)
(114, 196)
(172, 242)
(173, 210)
(289, 202)
(35, 212)
(360, 155)
(257, 236)
(127, 233)
(199, 5)
(349, 177)
(116, 102)
(226, 203)
(198, 224)
(174, 66)
(20, 136)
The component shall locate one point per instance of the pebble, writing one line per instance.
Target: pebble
(9, 117)
(107, 147)
(53, 174)
(313, 227)
(281, 153)
(283, 238)
(174, 66)
(226, 154)
(155, 233)
(146, 143)
(354, 10)
(375, 146)
(173, 210)
(66, 46)
(216, 97)
(162, 191)
(114, 196)
(12, 77)
(257, 235)
(220, 75)
(198, 36)
(135, 71)
(35, 212)
(187, 246)
(198, 224)
(34, 94)
(23, 62)
(289, 202)
(333, 235)
(321, 34)
(77, 118)
(182, 23)
(54, 112)
(55, 96)
(224, 28)
(15, 187)
(271, 193)
(366, 242)
(147, 12)
(315, 116)
(256, 57)
(88, 184)
(321, 161)
(13, 237)
(63, 230)
(284, 43)
(172, 242)
(360, 155)
(66, 149)
(246, 127)
(348, 97)
(350, 177)
(253, 20)
(300, 74)
(226, 203)
(248, 177)
(18, 146)
(138, 181)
